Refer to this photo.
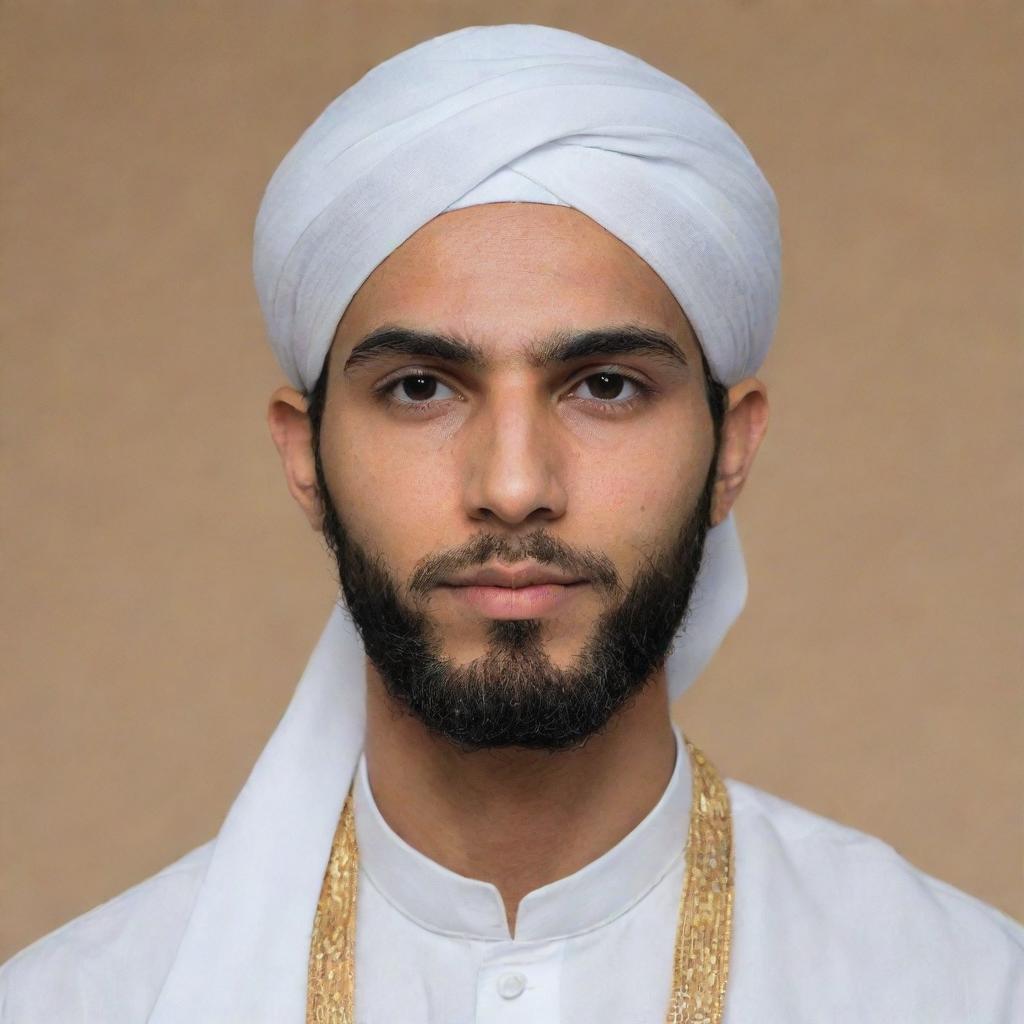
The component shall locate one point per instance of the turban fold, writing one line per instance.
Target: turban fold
(531, 114)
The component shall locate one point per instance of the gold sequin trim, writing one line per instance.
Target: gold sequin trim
(330, 995)
(700, 964)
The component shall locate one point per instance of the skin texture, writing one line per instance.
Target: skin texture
(512, 448)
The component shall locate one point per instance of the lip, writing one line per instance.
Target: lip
(529, 601)
(506, 577)
(526, 591)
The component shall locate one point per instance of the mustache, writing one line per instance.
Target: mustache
(536, 546)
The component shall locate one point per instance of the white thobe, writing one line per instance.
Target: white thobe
(829, 925)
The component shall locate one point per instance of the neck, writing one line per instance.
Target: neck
(519, 819)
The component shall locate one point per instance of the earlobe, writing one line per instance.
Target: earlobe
(293, 436)
(743, 429)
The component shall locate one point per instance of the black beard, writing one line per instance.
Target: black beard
(513, 696)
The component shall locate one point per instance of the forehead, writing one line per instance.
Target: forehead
(507, 273)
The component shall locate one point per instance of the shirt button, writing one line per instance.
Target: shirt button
(511, 985)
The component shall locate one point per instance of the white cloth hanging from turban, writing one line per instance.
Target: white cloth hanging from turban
(535, 114)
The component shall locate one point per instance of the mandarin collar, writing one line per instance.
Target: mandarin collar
(442, 901)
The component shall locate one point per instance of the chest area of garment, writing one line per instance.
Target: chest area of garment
(620, 971)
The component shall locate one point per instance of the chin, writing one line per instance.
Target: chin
(561, 648)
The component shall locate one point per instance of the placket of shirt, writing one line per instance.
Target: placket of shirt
(520, 983)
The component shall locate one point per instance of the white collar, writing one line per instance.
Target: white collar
(442, 901)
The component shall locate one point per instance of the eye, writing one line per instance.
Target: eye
(612, 388)
(417, 388)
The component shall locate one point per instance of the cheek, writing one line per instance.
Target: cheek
(642, 490)
(393, 497)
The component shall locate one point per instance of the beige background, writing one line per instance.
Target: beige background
(160, 591)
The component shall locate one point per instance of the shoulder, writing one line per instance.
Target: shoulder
(853, 908)
(109, 964)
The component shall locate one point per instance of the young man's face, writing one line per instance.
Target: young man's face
(561, 428)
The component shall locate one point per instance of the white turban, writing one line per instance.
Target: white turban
(530, 114)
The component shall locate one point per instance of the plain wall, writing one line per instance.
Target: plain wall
(161, 592)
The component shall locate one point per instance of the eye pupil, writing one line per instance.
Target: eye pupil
(419, 387)
(606, 385)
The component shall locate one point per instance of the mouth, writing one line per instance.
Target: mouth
(534, 600)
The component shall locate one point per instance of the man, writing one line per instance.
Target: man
(521, 284)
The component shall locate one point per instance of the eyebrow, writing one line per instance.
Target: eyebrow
(606, 341)
(562, 347)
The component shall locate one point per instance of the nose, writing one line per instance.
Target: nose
(513, 462)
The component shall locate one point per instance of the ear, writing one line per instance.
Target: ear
(743, 429)
(293, 434)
